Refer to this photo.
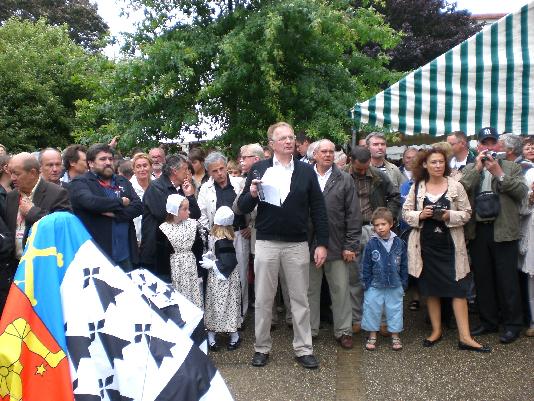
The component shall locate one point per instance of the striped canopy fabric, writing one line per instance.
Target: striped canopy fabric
(484, 81)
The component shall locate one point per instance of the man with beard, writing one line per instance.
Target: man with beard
(107, 204)
(158, 159)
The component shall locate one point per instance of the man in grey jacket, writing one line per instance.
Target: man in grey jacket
(494, 233)
(345, 227)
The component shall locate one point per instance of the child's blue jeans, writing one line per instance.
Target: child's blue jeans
(375, 300)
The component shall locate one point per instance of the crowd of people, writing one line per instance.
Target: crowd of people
(285, 220)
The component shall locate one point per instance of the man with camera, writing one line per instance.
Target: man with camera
(496, 189)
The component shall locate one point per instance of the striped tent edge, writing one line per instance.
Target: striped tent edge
(484, 81)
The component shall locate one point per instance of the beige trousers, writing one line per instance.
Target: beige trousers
(293, 258)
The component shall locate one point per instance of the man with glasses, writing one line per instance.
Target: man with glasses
(249, 155)
(282, 241)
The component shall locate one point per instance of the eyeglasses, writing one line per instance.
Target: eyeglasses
(245, 156)
(285, 138)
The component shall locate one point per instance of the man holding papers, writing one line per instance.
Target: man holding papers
(292, 196)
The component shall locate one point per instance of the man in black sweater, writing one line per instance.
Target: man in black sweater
(282, 241)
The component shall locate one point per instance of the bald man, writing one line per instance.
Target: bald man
(51, 165)
(32, 198)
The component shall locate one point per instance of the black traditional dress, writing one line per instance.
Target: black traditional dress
(223, 292)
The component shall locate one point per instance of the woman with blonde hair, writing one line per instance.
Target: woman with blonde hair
(142, 169)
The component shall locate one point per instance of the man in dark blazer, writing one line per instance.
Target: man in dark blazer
(7, 245)
(106, 204)
(155, 247)
(31, 199)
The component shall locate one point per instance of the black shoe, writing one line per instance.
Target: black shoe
(308, 361)
(214, 347)
(259, 359)
(429, 343)
(234, 346)
(508, 337)
(464, 347)
(481, 330)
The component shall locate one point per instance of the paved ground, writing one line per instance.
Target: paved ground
(416, 373)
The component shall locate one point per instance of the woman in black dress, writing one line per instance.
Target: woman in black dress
(437, 253)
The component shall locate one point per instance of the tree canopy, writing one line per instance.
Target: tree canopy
(42, 73)
(429, 27)
(243, 65)
(85, 26)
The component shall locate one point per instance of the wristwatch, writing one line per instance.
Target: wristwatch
(501, 177)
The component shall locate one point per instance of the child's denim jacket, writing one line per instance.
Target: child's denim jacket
(383, 269)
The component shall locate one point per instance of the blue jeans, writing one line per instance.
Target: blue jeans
(376, 300)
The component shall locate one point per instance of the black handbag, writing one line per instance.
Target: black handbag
(487, 205)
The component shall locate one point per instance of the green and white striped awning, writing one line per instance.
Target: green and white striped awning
(485, 81)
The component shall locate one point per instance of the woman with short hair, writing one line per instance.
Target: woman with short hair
(142, 169)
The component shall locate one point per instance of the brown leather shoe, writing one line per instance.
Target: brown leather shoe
(345, 341)
(384, 331)
(356, 328)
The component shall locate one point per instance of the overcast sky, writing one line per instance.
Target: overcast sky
(110, 11)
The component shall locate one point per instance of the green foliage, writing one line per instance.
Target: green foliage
(86, 27)
(42, 74)
(297, 61)
(243, 65)
(144, 99)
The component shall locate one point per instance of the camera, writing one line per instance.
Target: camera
(494, 155)
(437, 212)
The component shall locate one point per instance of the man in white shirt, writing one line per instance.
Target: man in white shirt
(345, 227)
(282, 241)
(460, 150)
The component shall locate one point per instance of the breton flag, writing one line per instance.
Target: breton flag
(76, 327)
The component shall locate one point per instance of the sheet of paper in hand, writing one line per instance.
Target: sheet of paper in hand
(270, 187)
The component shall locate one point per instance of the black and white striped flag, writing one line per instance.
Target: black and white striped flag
(128, 336)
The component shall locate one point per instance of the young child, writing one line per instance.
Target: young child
(223, 290)
(181, 232)
(384, 275)
(234, 168)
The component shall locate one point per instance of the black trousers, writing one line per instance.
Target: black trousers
(496, 280)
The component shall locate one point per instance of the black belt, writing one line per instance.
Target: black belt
(486, 222)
